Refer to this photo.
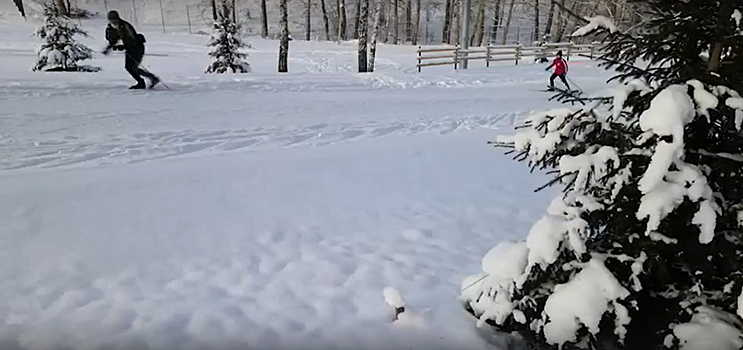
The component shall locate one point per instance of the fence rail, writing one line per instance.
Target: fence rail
(454, 55)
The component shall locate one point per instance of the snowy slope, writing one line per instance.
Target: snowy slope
(258, 211)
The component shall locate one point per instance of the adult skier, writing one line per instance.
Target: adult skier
(561, 69)
(133, 47)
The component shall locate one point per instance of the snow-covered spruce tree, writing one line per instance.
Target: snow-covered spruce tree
(226, 44)
(643, 247)
(60, 51)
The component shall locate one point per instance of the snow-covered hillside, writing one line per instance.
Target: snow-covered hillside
(258, 211)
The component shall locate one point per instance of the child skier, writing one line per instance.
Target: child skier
(561, 68)
(133, 46)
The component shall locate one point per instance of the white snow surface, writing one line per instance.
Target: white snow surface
(258, 211)
(595, 23)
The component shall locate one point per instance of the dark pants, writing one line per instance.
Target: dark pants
(131, 63)
(562, 77)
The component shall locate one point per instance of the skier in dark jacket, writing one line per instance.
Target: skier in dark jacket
(132, 45)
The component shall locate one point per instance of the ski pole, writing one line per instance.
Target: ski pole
(574, 84)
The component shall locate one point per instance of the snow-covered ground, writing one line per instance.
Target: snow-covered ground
(257, 211)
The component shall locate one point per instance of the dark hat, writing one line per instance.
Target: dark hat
(113, 15)
(559, 52)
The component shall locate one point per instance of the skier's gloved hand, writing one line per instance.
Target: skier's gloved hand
(119, 47)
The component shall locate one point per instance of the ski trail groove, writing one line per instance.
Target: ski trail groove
(141, 147)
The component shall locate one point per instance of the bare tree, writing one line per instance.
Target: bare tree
(563, 19)
(479, 32)
(357, 19)
(550, 20)
(535, 35)
(342, 20)
(308, 21)
(375, 34)
(446, 34)
(396, 30)
(455, 18)
(325, 20)
(496, 21)
(234, 11)
(264, 19)
(62, 8)
(417, 23)
(214, 9)
(408, 21)
(509, 16)
(284, 44)
(363, 34)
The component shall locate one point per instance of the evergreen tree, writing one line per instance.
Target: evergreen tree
(642, 248)
(226, 44)
(60, 51)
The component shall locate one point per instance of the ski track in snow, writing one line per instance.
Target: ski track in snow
(139, 147)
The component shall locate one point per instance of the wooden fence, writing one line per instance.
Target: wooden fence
(454, 55)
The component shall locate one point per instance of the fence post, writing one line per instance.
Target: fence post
(487, 56)
(162, 15)
(570, 46)
(456, 57)
(188, 18)
(419, 58)
(518, 53)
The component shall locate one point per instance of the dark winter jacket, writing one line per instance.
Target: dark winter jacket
(127, 34)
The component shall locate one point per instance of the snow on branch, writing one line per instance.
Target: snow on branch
(596, 23)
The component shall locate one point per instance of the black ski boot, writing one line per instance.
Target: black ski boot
(140, 85)
(154, 81)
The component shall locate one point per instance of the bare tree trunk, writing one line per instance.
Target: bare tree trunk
(363, 34)
(535, 36)
(455, 17)
(417, 23)
(214, 9)
(226, 9)
(496, 21)
(264, 19)
(396, 30)
(375, 35)
(550, 19)
(357, 19)
(508, 21)
(408, 21)
(479, 32)
(284, 45)
(446, 34)
(234, 11)
(388, 29)
(308, 21)
(325, 20)
(69, 6)
(62, 8)
(342, 20)
(564, 20)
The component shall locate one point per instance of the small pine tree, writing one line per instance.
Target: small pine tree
(60, 51)
(642, 248)
(226, 44)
